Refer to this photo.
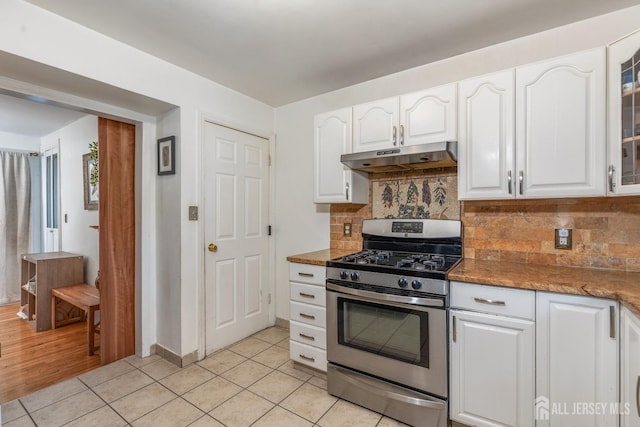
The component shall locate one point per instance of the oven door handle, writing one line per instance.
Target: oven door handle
(390, 394)
(426, 302)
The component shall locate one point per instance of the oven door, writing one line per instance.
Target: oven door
(402, 343)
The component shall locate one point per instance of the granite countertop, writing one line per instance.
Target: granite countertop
(623, 286)
(319, 257)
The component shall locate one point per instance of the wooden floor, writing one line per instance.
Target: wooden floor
(33, 360)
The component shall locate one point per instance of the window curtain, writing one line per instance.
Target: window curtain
(15, 220)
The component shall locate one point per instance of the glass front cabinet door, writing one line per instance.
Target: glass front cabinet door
(624, 116)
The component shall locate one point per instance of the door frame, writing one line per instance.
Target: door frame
(145, 160)
(270, 136)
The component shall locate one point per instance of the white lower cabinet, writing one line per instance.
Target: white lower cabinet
(629, 368)
(576, 361)
(525, 358)
(492, 357)
(307, 325)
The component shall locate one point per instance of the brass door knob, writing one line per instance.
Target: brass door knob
(212, 247)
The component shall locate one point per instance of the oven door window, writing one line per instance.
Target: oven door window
(388, 331)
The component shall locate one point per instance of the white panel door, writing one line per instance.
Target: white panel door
(428, 116)
(236, 185)
(375, 125)
(576, 360)
(560, 126)
(486, 137)
(492, 370)
(629, 368)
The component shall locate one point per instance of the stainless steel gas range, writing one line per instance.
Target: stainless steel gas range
(387, 319)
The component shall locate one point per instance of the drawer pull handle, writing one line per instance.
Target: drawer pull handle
(308, 316)
(302, 294)
(307, 337)
(305, 274)
(489, 301)
(310, 359)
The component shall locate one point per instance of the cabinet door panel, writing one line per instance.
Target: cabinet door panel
(486, 137)
(332, 139)
(428, 116)
(630, 368)
(560, 124)
(576, 358)
(492, 370)
(624, 107)
(375, 125)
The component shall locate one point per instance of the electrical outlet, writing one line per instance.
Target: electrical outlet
(346, 229)
(563, 238)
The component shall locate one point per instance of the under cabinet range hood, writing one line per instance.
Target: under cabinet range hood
(407, 157)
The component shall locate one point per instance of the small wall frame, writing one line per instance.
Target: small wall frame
(167, 156)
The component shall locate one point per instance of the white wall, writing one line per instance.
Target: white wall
(76, 236)
(30, 32)
(298, 216)
(168, 236)
(13, 141)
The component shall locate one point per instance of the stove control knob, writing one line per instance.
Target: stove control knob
(355, 276)
(416, 284)
(344, 275)
(402, 282)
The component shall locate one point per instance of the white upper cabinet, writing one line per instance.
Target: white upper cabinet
(486, 115)
(624, 116)
(428, 116)
(415, 118)
(333, 182)
(376, 125)
(553, 145)
(560, 126)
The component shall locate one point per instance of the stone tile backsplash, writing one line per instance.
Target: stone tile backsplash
(606, 230)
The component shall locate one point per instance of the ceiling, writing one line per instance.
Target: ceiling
(281, 51)
(34, 119)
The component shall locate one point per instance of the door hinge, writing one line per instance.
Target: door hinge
(269, 298)
(269, 159)
(269, 230)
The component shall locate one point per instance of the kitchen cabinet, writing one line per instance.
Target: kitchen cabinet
(624, 116)
(486, 136)
(307, 325)
(333, 182)
(40, 274)
(560, 126)
(492, 355)
(629, 368)
(576, 359)
(415, 118)
(540, 136)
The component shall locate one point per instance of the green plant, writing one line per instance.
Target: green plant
(93, 155)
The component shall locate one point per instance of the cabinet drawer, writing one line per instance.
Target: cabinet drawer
(307, 355)
(307, 273)
(494, 300)
(307, 334)
(310, 294)
(308, 314)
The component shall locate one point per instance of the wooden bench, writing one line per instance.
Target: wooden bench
(86, 298)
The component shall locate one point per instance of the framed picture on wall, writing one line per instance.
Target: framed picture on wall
(91, 192)
(166, 156)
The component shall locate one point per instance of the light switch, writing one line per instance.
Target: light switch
(193, 213)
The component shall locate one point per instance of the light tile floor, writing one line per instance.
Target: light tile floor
(251, 383)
